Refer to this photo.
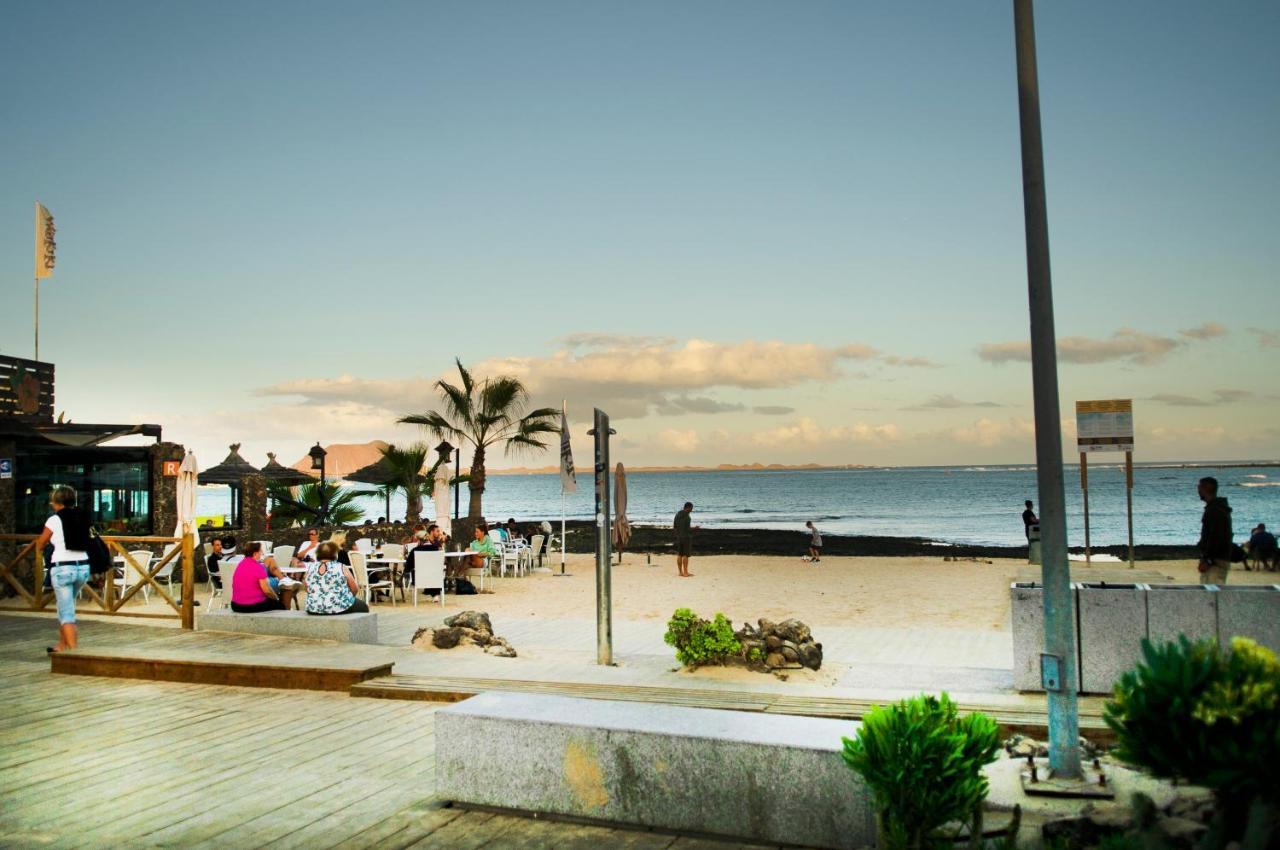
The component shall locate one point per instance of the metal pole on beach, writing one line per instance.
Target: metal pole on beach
(604, 555)
(1059, 662)
(562, 537)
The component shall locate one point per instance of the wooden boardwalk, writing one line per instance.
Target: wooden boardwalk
(87, 761)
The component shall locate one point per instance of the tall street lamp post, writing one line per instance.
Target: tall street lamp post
(317, 462)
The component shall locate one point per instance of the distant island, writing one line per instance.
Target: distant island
(809, 467)
(724, 467)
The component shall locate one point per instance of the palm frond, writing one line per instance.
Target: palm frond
(503, 396)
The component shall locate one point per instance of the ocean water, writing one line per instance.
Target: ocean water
(978, 505)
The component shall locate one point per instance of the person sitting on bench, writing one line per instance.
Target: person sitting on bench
(331, 586)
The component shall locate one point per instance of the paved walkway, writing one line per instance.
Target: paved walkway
(122, 763)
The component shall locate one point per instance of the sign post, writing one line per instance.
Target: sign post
(604, 554)
(1105, 426)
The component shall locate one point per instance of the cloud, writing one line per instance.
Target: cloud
(1178, 400)
(677, 405)
(1220, 397)
(629, 376)
(1126, 344)
(991, 432)
(948, 402)
(1267, 339)
(808, 433)
(406, 394)
(599, 340)
(773, 409)
(676, 440)
(910, 362)
(1209, 330)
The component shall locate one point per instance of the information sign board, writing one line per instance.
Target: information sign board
(1104, 426)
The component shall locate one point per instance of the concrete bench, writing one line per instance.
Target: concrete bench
(349, 628)
(770, 778)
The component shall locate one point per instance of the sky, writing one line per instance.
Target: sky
(750, 231)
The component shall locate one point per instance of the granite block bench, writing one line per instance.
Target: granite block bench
(771, 778)
(349, 628)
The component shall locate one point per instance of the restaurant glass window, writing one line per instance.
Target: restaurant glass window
(114, 485)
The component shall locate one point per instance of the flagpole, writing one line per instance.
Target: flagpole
(562, 538)
(566, 475)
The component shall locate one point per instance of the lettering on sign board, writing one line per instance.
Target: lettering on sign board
(1104, 426)
(171, 468)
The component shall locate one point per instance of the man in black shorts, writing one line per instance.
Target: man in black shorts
(683, 526)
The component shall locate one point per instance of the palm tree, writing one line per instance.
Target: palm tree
(404, 468)
(485, 414)
(307, 508)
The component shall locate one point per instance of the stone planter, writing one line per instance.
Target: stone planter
(1112, 623)
(1251, 611)
(1181, 609)
(1027, 600)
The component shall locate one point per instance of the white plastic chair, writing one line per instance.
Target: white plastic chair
(478, 572)
(365, 545)
(215, 590)
(227, 571)
(428, 573)
(266, 547)
(143, 558)
(360, 566)
(166, 572)
(392, 552)
(283, 555)
(534, 550)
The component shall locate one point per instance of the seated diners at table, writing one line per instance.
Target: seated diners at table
(251, 589)
(514, 534)
(481, 548)
(214, 562)
(307, 548)
(331, 587)
(339, 539)
(432, 540)
(416, 536)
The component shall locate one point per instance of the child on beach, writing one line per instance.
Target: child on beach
(815, 544)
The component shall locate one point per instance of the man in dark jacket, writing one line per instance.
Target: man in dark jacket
(1215, 534)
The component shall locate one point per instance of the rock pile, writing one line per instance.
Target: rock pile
(1020, 747)
(1179, 824)
(469, 627)
(778, 646)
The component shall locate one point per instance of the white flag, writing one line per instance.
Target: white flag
(568, 478)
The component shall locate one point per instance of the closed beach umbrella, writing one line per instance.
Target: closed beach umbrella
(441, 497)
(188, 478)
(621, 527)
(277, 473)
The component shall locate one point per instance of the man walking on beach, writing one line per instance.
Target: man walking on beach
(683, 526)
(1028, 519)
(815, 544)
(1215, 534)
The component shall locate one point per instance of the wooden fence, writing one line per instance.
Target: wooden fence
(37, 598)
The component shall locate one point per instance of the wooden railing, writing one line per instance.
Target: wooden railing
(36, 598)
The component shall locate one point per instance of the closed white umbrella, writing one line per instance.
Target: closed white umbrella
(621, 527)
(441, 496)
(188, 480)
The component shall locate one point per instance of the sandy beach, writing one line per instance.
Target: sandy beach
(880, 593)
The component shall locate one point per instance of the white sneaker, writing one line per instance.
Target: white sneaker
(805, 558)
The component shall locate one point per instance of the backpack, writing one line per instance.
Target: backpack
(464, 588)
(99, 555)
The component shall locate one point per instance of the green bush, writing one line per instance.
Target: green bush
(1195, 712)
(923, 763)
(699, 642)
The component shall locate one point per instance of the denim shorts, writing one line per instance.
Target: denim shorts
(67, 581)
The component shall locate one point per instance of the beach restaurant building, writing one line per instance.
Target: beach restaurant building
(128, 489)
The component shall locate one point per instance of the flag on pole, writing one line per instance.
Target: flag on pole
(568, 477)
(46, 248)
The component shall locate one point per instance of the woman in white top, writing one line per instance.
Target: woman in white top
(68, 531)
(307, 549)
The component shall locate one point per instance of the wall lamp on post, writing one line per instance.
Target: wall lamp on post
(317, 462)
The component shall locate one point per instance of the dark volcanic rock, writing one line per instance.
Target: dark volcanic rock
(446, 638)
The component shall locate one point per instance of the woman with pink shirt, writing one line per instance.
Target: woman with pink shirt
(251, 589)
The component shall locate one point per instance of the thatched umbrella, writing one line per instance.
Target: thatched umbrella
(379, 474)
(230, 472)
(276, 473)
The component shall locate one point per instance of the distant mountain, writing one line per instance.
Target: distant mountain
(344, 458)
